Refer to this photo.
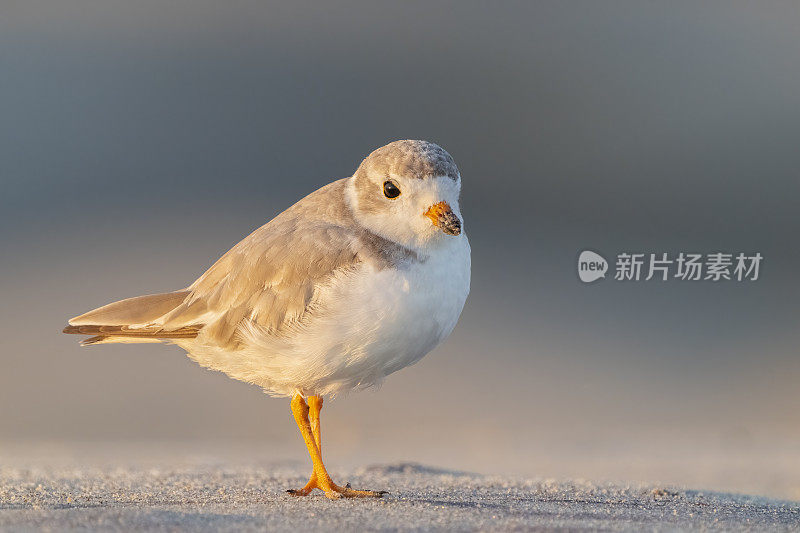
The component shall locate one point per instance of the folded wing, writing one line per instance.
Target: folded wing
(269, 279)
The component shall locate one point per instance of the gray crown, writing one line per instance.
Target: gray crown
(419, 159)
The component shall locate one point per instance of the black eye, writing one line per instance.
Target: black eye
(390, 190)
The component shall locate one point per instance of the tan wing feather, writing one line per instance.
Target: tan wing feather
(138, 310)
(270, 276)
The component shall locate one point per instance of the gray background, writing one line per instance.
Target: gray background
(140, 140)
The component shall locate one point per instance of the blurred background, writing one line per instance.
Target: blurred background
(141, 140)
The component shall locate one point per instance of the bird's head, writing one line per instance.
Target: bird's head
(408, 192)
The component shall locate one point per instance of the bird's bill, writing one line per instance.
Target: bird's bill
(442, 216)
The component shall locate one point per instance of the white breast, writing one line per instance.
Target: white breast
(388, 319)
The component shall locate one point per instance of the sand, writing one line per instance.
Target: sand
(225, 497)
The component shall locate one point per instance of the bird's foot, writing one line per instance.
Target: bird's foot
(347, 492)
(334, 491)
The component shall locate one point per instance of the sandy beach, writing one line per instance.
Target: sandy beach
(224, 497)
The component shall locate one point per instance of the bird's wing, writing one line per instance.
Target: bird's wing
(270, 277)
(269, 280)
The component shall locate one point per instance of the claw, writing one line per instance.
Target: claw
(334, 492)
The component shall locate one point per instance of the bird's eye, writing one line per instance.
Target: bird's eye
(390, 190)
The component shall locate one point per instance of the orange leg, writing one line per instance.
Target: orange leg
(310, 430)
(314, 407)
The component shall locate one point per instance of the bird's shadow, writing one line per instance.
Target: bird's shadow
(410, 468)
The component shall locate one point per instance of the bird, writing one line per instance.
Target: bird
(357, 280)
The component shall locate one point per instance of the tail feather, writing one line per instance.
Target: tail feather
(100, 339)
(187, 332)
(132, 320)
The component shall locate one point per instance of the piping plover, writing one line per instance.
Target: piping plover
(355, 281)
